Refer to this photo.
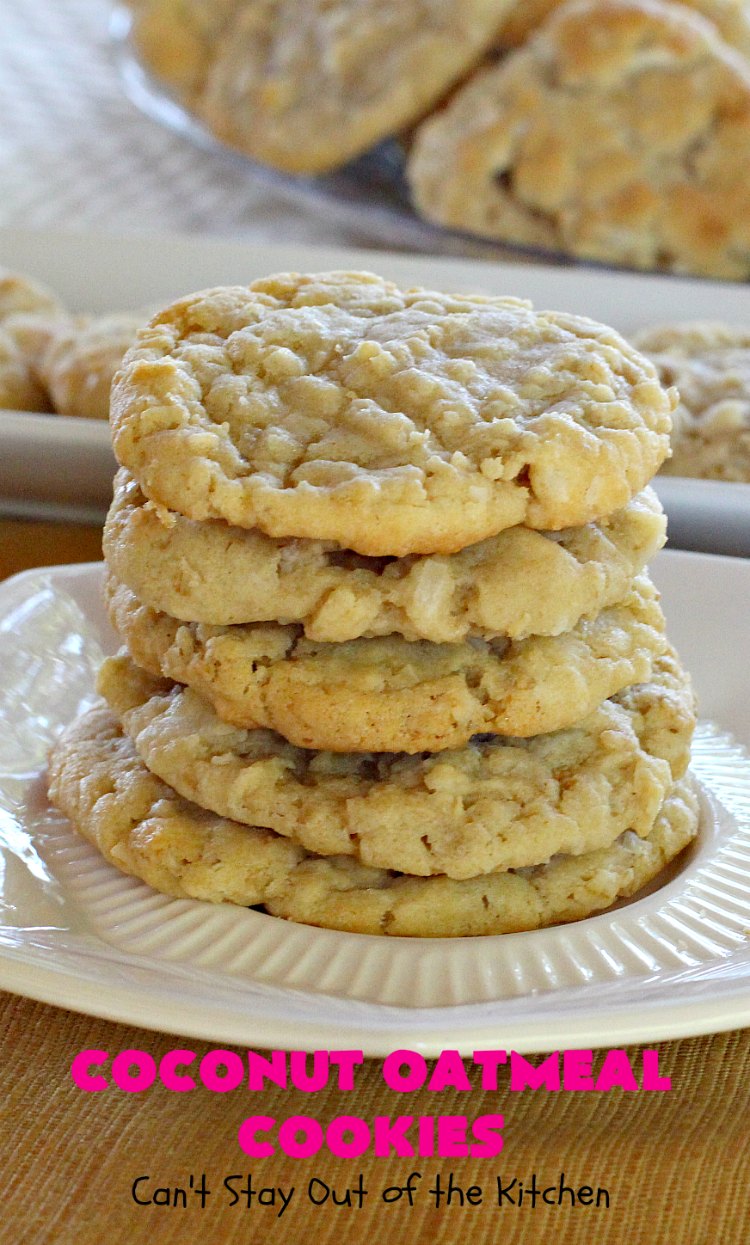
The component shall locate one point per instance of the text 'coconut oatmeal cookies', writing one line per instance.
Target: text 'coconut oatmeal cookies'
(393, 663)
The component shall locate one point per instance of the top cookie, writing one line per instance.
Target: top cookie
(339, 407)
(620, 133)
(306, 86)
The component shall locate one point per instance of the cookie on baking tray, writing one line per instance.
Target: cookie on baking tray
(20, 389)
(143, 827)
(391, 695)
(338, 407)
(620, 132)
(80, 358)
(494, 804)
(518, 583)
(709, 363)
(20, 295)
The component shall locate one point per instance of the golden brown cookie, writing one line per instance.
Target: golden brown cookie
(340, 894)
(620, 132)
(20, 390)
(518, 583)
(495, 804)
(339, 407)
(140, 825)
(390, 695)
(20, 295)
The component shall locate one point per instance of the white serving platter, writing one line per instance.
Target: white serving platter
(74, 931)
(59, 466)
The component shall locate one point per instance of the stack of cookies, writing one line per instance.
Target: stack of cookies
(393, 662)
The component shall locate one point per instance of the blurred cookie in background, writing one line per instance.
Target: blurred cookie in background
(81, 358)
(619, 133)
(710, 365)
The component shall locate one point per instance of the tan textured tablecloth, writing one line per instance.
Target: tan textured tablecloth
(675, 1164)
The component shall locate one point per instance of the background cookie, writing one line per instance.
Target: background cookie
(20, 389)
(305, 87)
(81, 358)
(730, 17)
(710, 365)
(22, 295)
(389, 695)
(339, 407)
(518, 583)
(495, 804)
(620, 132)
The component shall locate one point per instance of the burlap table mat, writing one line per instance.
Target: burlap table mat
(674, 1164)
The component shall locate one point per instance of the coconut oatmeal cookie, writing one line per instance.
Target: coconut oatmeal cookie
(730, 17)
(518, 583)
(143, 827)
(390, 695)
(495, 804)
(339, 407)
(20, 390)
(80, 358)
(620, 132)
(305, 87)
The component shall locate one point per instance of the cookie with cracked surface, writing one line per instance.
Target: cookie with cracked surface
(620, 133)
(338, 407)
(145, 829)
(730, 17)
(305, 88)
(495, 804)
(80, 358)
(518, 583)
(392, 695)
(709, 362)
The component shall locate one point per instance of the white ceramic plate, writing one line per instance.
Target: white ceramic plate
(51, 465)
(74, 931)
